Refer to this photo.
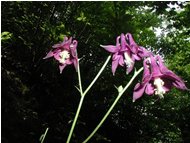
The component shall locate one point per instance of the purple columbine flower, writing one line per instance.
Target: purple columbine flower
(125, 52)
(157, 79)
(65, 53)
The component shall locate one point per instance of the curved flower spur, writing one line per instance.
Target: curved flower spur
(65, 53)
(157, 79)
(125, 52)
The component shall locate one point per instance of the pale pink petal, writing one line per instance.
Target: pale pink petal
(75, 62)
(50, 54)
(110, 48)
(65, 39)
(167, 84)
(133, 46)
(176, 80)
(73, 48)
(114, 65)
(180, 85)
(68, 62)
(136, 57)
(146, 72)
(115, 56)
(138, 91)
(123, 42)
(149, 89)
(117, 41)
(142, 52)
(130, 68)
(56, 56)
(64, 45)
(61, 67)
(121, 61)
(155, 68)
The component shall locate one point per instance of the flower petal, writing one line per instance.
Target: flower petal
(123, 42)
(73, 48)
(115, 56)
(130, 68)
(68, 61)
(167, 84)
(149, 89)
(75, 62)
(146, 74)
(142, 52)
(117, 41)
(154, 67)
(177, 81)
(133, 46)
(56, 55)
(50, 54)
(138, 91)
(121, 61)
(180, 85)
(110, 48)
(61, 67)
(136, 57)
(114, 65)
(65, 44)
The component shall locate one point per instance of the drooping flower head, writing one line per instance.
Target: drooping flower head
(125, 52)
(157, 79)
(65, 53)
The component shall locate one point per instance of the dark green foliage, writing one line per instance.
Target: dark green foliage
(36, 96)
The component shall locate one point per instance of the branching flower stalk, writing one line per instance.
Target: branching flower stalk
(44, 136)
(66, 54)
(83, 95)
(113, 105)
(157, 78)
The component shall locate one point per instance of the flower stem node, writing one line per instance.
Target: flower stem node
(120, 88)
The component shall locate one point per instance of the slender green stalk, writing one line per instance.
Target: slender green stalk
(79, 106)
(44, 135)
(83, 95)
(101, 70)
(112, 106)
(75, 119)
(79, 78)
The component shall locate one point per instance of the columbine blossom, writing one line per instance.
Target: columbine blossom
(125, 52)
(157, 79)
(64, 53)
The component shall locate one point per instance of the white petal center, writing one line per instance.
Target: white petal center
(64, 55)
(159, 87)
(128, 61)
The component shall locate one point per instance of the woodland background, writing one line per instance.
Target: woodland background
(36, 96)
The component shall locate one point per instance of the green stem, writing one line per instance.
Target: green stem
(101, 70)
(112, 106)
(44, 135)
(75, 119)
(79, 78)
(83, 95)
(79, 106)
